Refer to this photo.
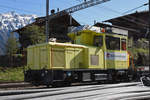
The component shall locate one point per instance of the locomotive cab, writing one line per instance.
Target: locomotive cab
(113, 46)
(110, 50)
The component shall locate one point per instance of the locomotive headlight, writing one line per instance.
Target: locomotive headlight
(25, 72)
(68, 73)
(42, 74)
(46, 71)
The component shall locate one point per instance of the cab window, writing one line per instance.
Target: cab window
(123, 44)
(98, 41)
(112, 43)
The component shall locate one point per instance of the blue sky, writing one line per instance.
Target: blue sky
(105, 11)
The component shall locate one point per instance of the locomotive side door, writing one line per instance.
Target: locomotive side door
(115, 53)
(96, 53)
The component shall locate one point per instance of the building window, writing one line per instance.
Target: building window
(112, 43)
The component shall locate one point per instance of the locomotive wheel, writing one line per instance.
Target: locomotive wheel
(60, 84)
(66, 83)
(35, 83)
(47, 85)
(56, 84)
(112, 78)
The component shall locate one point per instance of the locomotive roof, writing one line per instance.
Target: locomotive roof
(59, 44)
(108, 29)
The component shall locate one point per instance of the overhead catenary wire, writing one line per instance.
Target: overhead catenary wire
(25, 2)
(19, 9)
(38, 4)
(85, 14)
(79, 0)
(135, 8)
(17, 2)
(130, 18)
(141, 22)
(3, 9)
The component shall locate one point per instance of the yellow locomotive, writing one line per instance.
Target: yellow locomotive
(91, 56)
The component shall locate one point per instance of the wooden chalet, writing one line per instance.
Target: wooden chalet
(58, 27)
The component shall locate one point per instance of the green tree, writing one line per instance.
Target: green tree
(31, 35)
(11, 46)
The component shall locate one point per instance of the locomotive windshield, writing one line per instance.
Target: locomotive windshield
(98, 41)
(112, 43)
(123, 44)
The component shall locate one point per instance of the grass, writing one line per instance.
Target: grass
(11, 74)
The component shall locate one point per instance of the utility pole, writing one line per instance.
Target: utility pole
(47, 20)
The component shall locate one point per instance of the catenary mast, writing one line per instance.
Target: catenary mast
(47, 20)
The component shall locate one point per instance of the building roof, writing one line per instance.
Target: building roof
(60, 20)
(137, 21)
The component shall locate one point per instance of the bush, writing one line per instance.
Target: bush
(11, 74)
(14, 61)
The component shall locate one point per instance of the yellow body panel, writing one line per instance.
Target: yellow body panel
(38, 57)
(55, 56)
(84, 37)
(74, 58)
(96, 57)
(116, 63)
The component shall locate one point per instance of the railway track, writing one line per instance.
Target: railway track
(8, 85)
(127, 91)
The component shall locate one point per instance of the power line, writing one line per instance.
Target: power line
(24, 2)
(3, 9)
(142, 22)
(79, 0)
(135, 8)
(16, 2)
(4, 6)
